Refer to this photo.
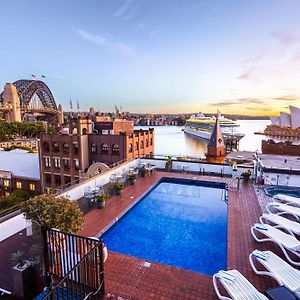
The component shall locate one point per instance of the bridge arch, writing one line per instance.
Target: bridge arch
(28, 88)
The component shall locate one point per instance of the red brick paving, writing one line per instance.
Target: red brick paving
(125, 277)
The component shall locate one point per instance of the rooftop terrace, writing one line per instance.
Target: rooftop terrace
(127, 277)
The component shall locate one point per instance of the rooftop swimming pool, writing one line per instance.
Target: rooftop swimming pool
(181, 223)
(290, 191)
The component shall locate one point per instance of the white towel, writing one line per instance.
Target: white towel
(226, 276)
(260, 226)
(260, 254)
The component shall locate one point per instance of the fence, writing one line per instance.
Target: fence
(75, 264)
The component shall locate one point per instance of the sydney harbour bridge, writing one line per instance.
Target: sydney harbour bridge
(29, 100)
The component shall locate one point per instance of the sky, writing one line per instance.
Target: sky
(169, 56)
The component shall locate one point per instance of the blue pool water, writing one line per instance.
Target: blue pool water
(272, 191)
(178, 224)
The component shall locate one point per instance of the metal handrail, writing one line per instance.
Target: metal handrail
(62, 281)
(230, 181)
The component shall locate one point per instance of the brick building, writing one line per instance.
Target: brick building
(66, 157)
(19, 170)
(280, 148)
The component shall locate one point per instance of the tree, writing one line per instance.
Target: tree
(54, 212)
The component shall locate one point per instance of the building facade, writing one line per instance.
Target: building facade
(280, 148)
(26, 142)
(66, 157)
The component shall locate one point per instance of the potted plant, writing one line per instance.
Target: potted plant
(118, 187)
(131, 178)
(169, 164)
(143, 171)
(100, 200)
(246, 175)
(17, 259)
(22, 274)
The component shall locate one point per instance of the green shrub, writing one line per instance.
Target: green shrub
(54, 212)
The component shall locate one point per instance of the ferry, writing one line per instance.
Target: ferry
(201, 126)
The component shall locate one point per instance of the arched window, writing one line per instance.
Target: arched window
(136, 146)
(55, 146)
(130, 148)
(115, 149)
(66, 148)
(46, 147)
(94, 148)
(74, 131)
(104, 148)
(142, 144)
(147, 143)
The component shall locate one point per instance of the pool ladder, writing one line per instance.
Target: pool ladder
(230, 181)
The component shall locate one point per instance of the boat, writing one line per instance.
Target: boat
(201, 126)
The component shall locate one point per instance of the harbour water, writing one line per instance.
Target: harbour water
(171, 140)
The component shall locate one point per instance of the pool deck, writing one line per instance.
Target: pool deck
(127, 278)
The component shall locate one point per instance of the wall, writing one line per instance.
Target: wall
(193, 166)
(110, 140)
(287, 148)
(11, 226)
(77, 191)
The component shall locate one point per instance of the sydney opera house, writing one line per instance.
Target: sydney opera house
(286, 125)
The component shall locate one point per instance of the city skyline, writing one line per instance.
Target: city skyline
(158, 56)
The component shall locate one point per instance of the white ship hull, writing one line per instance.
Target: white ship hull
(206, 135)
(200, 134)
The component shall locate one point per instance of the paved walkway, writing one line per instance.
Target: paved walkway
(127, 278)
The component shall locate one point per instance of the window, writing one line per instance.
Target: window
(6, 183)
(46, 147)
(84, 131)
(76, 162)
(76, 149)
(142, 144)
(136, 146)
(66, 148)
(18, 185)
(55, 147)
(130, 148)
(147, 143)
(57, 179)
(151, 142)
(32, 186)
(48, 178)
(104, 148)
(115, 149)
(66, 163)
(94, 148)
(56, 162)
(67, 179)
(47, 162)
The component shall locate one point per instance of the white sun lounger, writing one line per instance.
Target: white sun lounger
(283, 240)
(237, 286)
(287, 199)
(277, 268)
(282, 221)
(284, 209)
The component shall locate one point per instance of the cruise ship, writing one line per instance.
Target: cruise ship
(201, 126)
